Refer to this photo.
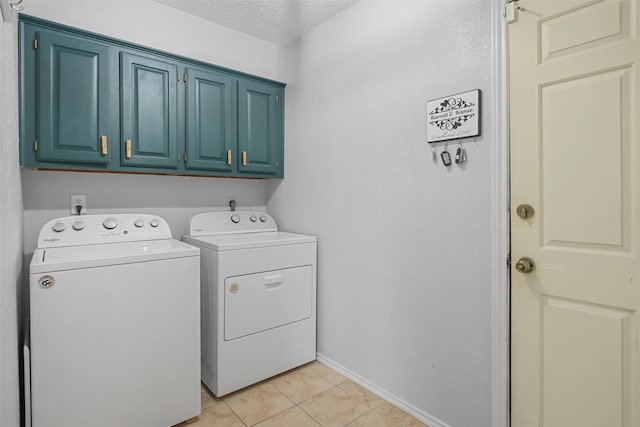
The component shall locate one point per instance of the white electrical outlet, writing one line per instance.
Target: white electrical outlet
(78, 200)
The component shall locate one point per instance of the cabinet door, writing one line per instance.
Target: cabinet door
(260, 128)
(210, 119)
(72, 99)
(148, 108)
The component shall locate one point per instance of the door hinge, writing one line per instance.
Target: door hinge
(35, 43)
(35, 145)
(510, 11)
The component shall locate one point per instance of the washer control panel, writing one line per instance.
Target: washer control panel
(96, 229)
(231, 222)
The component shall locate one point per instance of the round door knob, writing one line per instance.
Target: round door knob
(78, 225)
(58, 227)
(525, 211)
(110, 223)
(525, 265)
(263, 218)
(253, 218)
(154, 222)
(138, 223)
(235, 218)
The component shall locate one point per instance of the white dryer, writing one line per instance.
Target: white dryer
(114, 324)
(258, 298)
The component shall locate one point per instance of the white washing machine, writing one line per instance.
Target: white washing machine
(114, 324)
(258, 298)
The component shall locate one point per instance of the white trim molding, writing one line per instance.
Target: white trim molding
(420, 415)
(500, 281)
(9, 9)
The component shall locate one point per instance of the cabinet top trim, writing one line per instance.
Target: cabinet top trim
(28, 19)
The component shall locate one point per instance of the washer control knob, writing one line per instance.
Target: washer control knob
(154, 222)
(58, 227)
(253, 218)
(110, 223)
(78, 225)
(138, 223)
(263, 218)
(235, 218)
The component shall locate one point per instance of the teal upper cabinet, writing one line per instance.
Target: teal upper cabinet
(260, 128)
(73, 99)
(210, 119)
(149, 111)
(89, 102)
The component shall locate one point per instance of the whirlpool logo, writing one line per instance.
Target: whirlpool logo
(46, 281)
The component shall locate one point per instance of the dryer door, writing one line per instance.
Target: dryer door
(256, 302)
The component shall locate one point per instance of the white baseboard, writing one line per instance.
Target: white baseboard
(422, 416)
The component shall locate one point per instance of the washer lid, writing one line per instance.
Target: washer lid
(87, 256)
(229, 242)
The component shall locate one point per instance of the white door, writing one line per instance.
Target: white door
(574, 158)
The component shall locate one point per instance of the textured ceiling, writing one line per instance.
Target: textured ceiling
(277, 21)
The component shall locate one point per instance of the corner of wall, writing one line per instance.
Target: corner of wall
(11, 228)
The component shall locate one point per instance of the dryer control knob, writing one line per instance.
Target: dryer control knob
(253, 218)
(235, 218)
(110, 223)
(58, 227)
(78, 225)
(154, 222)
(263, 218)
(138, 223)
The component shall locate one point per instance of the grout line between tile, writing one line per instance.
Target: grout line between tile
(234, 413)
(312, 417)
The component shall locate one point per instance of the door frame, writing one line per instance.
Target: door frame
(500, 233)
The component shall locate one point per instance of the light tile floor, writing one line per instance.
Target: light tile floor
(312, 395)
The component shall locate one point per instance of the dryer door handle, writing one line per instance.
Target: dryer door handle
(273, 281)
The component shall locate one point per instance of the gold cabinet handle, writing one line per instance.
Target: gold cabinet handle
(244, 158)
(127, 148)
(103, 145)
(229, 157)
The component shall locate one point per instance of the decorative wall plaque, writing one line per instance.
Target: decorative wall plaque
(454, 117)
